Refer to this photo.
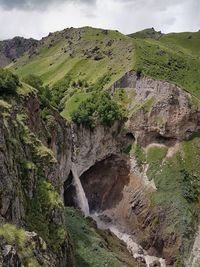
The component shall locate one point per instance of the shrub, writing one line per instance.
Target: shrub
(8, 82)
(99, 107)
(16, 237)
(108, 110)
(44, 91)
(34, 80)
(188, 187)
(59, 90)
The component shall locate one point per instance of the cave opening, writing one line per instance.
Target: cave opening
(104, 182)
(165, 140)
(130, 137)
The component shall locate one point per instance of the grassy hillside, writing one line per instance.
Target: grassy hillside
(147, 33)
(75, 62)
(84, 53)
(188, 41)
(173, 57)
(93, 247)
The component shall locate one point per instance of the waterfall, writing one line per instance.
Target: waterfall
(81, 197)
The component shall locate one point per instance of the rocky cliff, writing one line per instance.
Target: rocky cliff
(31, 185)
(36, 158)
(11, 50)
(140, 175)
(158, 110)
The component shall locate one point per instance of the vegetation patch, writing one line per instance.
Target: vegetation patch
(72, 105)
(4, 104)
(139, 154)
(40, 210)
(146, 105)
(16, 237)
(43, 151)
(178, 188)
(99, 108)
(8, 82)
(155, 156)
(25, 89)
(122, 97)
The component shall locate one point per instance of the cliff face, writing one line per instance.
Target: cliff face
(31, 184)
(93, 146)
(36, 158)
(158, 110)
(145, 193)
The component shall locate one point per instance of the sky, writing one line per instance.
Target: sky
(36, 18)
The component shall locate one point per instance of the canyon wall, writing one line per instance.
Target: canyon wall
(36, 158)
(31, 180)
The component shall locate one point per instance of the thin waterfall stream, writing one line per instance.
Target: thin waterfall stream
(81, 197)
(136, 250)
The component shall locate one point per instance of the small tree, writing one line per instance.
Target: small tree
(44, 92)
(8, 82)
(34, 81)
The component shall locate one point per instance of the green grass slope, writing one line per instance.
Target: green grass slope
(189, 41)
(173, 57)
(178, 190)
(146, 33)
(93, 247)
(84, 53)
(74, 62)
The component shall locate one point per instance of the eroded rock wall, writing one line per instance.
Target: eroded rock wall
(91, 146)
(31, 179)
(158, 111)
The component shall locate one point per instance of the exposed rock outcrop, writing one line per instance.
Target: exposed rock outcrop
(158, 111)
(33, 251)
(91, 146)
(12, 49)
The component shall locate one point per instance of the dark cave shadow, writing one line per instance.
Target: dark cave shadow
(104, 182)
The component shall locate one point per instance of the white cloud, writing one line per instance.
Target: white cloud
(127, 16)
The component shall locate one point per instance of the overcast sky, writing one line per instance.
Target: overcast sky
(36, 18)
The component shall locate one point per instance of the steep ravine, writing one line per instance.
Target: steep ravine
(161, 116)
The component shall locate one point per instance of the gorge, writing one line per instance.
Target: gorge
(100, 151)
(105, 204)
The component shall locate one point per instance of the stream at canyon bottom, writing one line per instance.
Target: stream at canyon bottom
(136, 250)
